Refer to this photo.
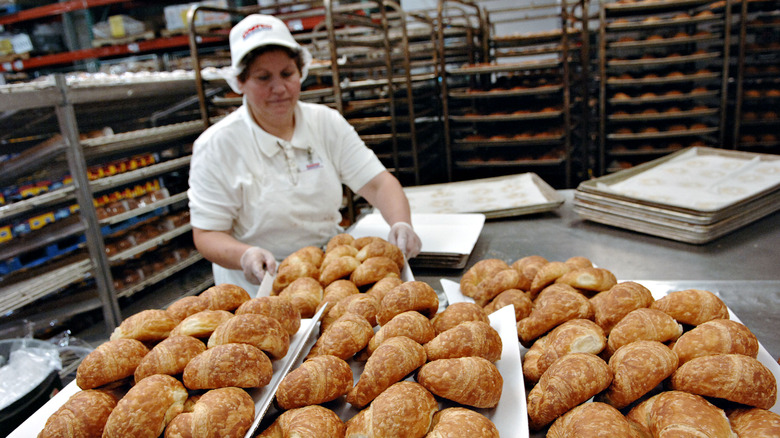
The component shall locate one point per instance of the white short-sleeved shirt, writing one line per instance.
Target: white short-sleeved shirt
(274, 194)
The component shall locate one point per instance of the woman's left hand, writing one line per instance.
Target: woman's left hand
(403, 236)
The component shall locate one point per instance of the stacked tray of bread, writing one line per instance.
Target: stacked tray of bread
(603, 357)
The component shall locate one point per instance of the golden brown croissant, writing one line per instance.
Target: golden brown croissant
(309, 421)
(224, 297)
(716, 336)
(169, 356)
(470, 338)
(180, 426)
(592, 420)
(411, 295)
(84, 414)
(340, 267)
(361, 242)
(643, 324)
(240, 365)
(755, 423)
(146, 325)
(309, 254)
(461, 422)
(146, 408)
(610, 306)
(555, 305)
(345, 337)
(578, 262)
(201, 324)
(588, 279)
(637, 368)
(404, 410)
(481, 271)
(383, 286)
(336, 252)
(392, 361)
(279, 308)
(339, 239)
(317, 380)
(305, 294)
(361, 304)
(514, 297)
(186, 306)
(290, 273)
(692, 306)
(411, 324)
(527, 267)
(381, 248)
(573, 336)
(261, 331)
(337, 290)
(531, 371)
(457, 313)
(472, 381)
(219, 413)
(374, 269)
(732, 377)
(570, 381)
(547, 274)
(678, 413)
(109, 362)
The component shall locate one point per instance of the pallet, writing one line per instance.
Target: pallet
(104, 42)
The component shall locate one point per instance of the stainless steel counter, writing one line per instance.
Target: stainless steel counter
(743, 267)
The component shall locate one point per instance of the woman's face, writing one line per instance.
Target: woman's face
(272, 87)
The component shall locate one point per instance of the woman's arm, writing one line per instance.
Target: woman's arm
(386, 194)
(223, 249)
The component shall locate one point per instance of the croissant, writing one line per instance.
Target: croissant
(692, 306)
(555, 305)
(110, 362)
(240, 365)
(84, 414)
(345, 337)
(201, 324)
(361, 304)
(392, 361)
(169, 356)
(637, 367)
(610, 306)
(317, 380)
(146, 408)
(457, 313)
(309, 254)
(260, 331)
(588, 279)
(339, 239)
(527, 267)
(687, 413)
(146, 325)
(755, 422)
(531, 371)
(340, 267)
(286, 275)
(404, 410)
(570, 381)
(573, 336)
(411, 324)
(472, 381)
(381, 248)
(732, 377)
(337, 290)
(219, 413)
(383, 286)
(361, 242)
(309, 421)
(224, 297)
(470, 338)
(481, 271)
(374, 269)
(578, 262)
(186, 306)
(546, 275)
(305, 294)
(279, 308)
(336, 252)
(716, 336)
(643, 324)
(593, 420)
(457, 421)
(514, 297)
(411, 295)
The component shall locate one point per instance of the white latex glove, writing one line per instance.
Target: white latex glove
(403, 236)
(255, 262)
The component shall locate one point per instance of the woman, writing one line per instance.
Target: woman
(267, 179)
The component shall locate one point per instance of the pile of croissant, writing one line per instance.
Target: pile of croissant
(676, 366)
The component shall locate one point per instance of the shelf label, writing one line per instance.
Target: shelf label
(134, 47)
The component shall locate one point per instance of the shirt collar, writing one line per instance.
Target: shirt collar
(269, 144)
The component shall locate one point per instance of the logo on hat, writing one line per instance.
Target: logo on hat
(256, 28)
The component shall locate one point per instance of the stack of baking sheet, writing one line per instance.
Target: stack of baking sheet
(695, 195)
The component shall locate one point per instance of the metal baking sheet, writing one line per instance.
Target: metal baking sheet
(514, 141)
(507, 117)
(528, 162)
(662, 115)
(661, 134)
(663, 41)
(662, 98)
(663, 79)
(662, 61)
(495, 68)
(501, 92)
(636, 25)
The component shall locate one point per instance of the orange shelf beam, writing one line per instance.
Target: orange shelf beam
(54, 9)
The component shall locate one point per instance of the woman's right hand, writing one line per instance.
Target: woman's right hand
(255, 262)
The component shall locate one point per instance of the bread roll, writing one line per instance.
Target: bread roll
(675, 412)
(588, 279)
(732, 377)
(570, 381)
(288, 274)
(305, 294)
(240, 365)
(472, 381)
(201, 324)
(637, 368)
(411, 324)
(186, 306)
(470, 338)
(573, 336)
(754, 423)
(457, 313)
(381, 248)
(374, 269)
(146, 408)
(110, 362)
(547, 274)
(404, 410)
(225, 297)
(222, 413)
(84, 414)
(260, 331)
(146, 325)
(692, 306)
(527, 267)
(514, 297)
(279, 308)
(643, 324)
(339, 268)
(309, 421)
(555, 305)
(461, 422)
(169, 356)
(345, 337)
(365, 305)
(411, 295)
(392, 361)
(610, 306)
(317, 380)
(592, 420)
(716, 336)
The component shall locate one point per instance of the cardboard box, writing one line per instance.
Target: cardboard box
(176, 15)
